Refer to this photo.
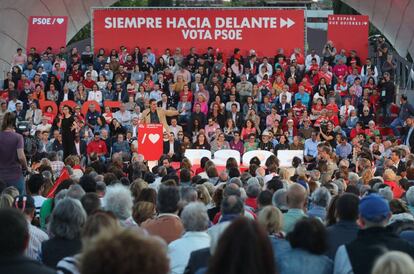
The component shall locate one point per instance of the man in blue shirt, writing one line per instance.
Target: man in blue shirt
(46, 64)
(311, 147)
(29, 71)
(343, 149)
(303, 96)
(151, 56)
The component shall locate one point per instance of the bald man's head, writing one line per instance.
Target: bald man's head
(232, 205)
(232, 189)
(296, 196)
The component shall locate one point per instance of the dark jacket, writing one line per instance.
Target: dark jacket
(339, 234)
(280, 111)
(22, 265)
(406, 110)
(57, 248)
(239, 119)
(177, 150)
(124, 96)
(82, 147)
(71, 96)
(387, 92)
(198, 259)
(370, 244)
(410, 138)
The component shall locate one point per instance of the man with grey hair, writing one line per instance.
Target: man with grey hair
(252, 191)
(353, 178)
(75, 192)
(223, 177)
(118, 200)
(195, 220)
(66, 222)
(279, 200)
(320, 200)
(386, 193)
(231, 208)
(188, 194)
(296, 199)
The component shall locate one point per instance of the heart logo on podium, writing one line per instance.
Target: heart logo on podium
(154, 138)
(60, 20)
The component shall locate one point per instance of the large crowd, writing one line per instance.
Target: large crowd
(77, 197)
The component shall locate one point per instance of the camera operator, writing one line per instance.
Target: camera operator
(329, 52)
(327, 133)
(383, 49)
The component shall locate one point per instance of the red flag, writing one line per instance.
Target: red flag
(64, 174)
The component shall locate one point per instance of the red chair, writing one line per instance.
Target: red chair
(395, 110)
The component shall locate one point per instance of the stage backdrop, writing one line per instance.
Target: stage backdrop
(47, 31)
(349, 32)
(264, 30)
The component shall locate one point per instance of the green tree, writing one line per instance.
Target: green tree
(85, 32)
(160, 3)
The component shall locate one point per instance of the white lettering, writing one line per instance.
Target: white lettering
(171, 22)
(108, 23)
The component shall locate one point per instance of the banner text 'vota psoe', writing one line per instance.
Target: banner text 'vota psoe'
(264, 30)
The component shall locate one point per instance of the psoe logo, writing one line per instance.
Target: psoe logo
(47, 20)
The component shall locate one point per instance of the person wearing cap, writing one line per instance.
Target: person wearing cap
(265, 143)
(406, 110)
(373, 239)
(26, 205)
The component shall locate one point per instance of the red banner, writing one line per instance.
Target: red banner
(47, 31)
(150, 141)
(264, 30)
(349, 32)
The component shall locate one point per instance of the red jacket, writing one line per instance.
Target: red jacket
(99, 147)
(396, 189)
(251, 202)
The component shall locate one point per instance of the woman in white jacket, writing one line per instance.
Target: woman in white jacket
(34, 114)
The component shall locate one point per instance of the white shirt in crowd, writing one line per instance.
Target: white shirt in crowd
(180, 250)
(95, 96)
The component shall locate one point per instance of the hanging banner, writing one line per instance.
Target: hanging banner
(150, 141)
(264, 30)
(349, 32)
(47, 31)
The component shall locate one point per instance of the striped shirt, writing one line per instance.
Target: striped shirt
(37, 237)
(68, 265)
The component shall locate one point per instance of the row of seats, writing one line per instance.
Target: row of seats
(220, 157)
